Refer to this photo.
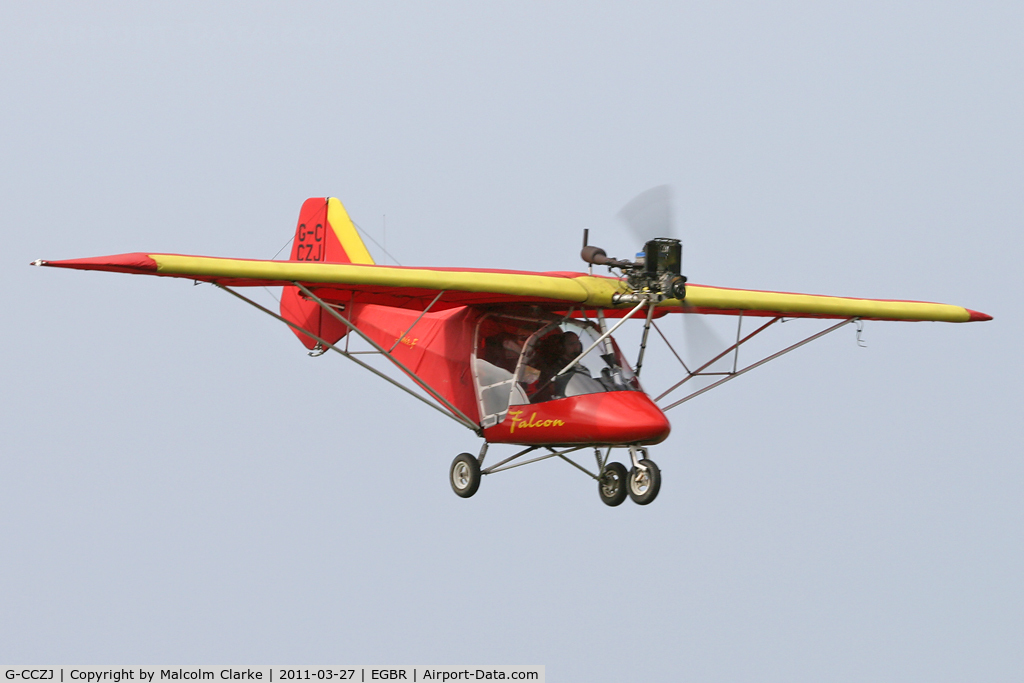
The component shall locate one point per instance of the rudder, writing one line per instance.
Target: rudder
(324, 234)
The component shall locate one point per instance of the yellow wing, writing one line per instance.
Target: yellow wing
(410, 286)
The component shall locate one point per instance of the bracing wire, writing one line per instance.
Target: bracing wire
(363, 231)
(379, 246)
(283, 247)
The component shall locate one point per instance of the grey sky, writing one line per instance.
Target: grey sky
(181, 484)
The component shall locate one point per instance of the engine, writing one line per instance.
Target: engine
(655, 274)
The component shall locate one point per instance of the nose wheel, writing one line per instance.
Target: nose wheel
(644, 482)
(641, 483)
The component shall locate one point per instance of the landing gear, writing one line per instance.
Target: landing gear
(612, 484)
(614, 481)
(464, 475)
(644, 482)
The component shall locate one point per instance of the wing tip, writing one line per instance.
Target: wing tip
(118, 263)
(977, 316)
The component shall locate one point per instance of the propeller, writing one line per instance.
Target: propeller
(650, 215)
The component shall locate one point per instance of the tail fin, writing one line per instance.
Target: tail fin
(325, 234)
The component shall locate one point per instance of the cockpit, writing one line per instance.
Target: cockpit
(523, 360)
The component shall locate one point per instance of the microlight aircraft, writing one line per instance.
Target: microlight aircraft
(521, 358)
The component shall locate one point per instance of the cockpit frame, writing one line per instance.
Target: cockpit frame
(539, 372)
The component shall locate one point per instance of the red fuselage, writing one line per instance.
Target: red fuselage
(613, 418)
(438, 347)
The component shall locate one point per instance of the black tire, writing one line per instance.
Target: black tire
(464, 475)
(643, 485)
(612, 485)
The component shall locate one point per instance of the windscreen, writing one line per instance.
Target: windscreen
(547, 370)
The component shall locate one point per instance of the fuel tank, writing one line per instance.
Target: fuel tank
(612, 418)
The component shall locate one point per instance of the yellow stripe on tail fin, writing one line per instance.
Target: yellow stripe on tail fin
(346, 233)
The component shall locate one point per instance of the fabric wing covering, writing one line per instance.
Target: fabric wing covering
(414, 288)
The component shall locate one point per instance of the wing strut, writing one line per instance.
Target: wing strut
(690, 374)
(458, 417)
(735, 373)
(643, 342)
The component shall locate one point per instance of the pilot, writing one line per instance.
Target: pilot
(547, 358)
(554, 353)
(504, 350)
(513, 345)
(577, 374)
(571, 347)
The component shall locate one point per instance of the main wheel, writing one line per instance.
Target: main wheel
(612, 484)
(464, 475)
(644, 484)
